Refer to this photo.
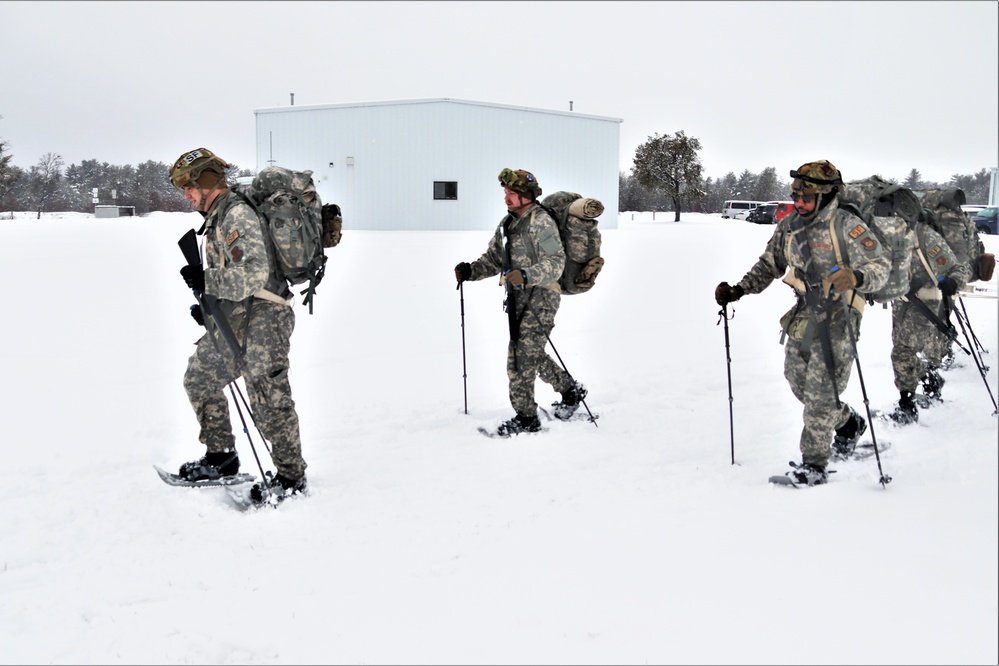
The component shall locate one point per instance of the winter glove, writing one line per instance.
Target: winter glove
(462, 272)
(194, 276)
(197, 314)
(516, 277)
(841, 280)
(725, 293)
(948, 286)
(986, 265)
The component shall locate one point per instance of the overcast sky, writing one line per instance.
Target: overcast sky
(875, 87)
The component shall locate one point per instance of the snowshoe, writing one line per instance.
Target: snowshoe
(933, 384)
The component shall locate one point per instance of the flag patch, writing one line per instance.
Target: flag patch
(231, 238)
(857, 231)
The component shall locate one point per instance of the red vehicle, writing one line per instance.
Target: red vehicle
(784, 209)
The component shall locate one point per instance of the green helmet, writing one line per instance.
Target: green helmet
(191, 164)
(816, 178)
(520, 181)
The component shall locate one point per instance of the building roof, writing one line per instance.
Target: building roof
(437, 100)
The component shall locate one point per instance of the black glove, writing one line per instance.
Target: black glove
(948, 286)
(725, 293)
(194, 276)
(197, 314)
(462, 272)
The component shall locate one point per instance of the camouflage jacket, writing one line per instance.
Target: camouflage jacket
(861, 251)
(535, 247)
(238, 259)
(938, 260)
(962, 238)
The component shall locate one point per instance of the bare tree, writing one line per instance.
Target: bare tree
(45, 179)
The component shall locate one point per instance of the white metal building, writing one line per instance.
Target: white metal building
(432, 164)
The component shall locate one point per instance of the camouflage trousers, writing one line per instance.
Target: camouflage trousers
(811, 382)
(265, 332)
(917, 344)
(526, 359)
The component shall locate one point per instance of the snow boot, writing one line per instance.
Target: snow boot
(906, 412)
(846, 437)
(571, 400)
(807, 474)
(519, 424)
(932, 385)
(278, 486)
(211, 466)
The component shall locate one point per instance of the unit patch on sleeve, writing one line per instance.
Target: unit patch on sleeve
(869, 243)
(236, 253)
(231, 238)
(857, 231)
(942, 260)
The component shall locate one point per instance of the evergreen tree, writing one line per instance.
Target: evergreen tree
(914, 181)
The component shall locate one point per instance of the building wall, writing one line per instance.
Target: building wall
(399, 149)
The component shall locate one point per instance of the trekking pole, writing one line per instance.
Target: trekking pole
(209, 308)
(979, 365)
(723, 316)
(884, 480)
(464, 367)
(981, 349)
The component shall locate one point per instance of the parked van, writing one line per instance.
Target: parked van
(739, 209)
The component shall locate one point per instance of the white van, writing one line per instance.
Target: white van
(739, 209)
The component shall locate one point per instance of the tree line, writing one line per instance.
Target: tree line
(666, 175)
(50, 185)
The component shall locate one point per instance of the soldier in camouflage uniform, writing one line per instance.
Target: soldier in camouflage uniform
(239, 270)
(943, 212)
(918, 345)
(818, 222)
(526, 252)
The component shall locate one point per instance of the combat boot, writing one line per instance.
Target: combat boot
(211, 466)
(571, 400)
(277, 486)
(906, 411)
(519, 424)
(846, 437)
(932, 385)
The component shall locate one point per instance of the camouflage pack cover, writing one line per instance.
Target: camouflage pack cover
(942, 211)
(299, 225)
(891, 211)
(580, 239)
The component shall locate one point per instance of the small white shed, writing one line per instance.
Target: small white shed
(432, 164)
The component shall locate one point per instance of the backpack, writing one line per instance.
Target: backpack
(577, 226)
(890, 211)
(942, 211)
(299, 225)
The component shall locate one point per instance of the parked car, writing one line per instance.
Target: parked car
(985, 220)
(738, 209)
(784, 208)
(763, 214)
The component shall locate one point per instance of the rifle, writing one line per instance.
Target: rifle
(818, 304)
(209, 304)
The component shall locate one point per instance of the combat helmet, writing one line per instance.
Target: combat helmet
(189, 166)
(520, 181)
(816, 178)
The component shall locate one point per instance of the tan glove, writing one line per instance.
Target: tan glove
(840, 280)
(516, 278)
(986, 265)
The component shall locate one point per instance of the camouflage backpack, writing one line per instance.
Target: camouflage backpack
(942, 211)
(891, 211)
(577, 225)
(299, 225)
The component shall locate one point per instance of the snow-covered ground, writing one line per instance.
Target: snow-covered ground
(422, 542)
